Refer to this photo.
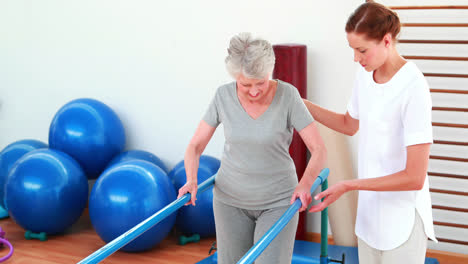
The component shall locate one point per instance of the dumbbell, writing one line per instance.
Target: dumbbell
(184, 240)
(42, 236)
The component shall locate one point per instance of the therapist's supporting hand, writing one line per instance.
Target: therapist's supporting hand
(330, 195)
(303, 193)
(189, 187)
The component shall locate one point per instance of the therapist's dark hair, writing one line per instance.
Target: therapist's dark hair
(374, 20)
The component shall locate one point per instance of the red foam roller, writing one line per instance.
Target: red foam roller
(291, 67)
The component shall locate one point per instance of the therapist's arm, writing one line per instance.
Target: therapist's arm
(342, 123)
(410, 179)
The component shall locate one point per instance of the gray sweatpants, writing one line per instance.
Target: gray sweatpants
(237, 230)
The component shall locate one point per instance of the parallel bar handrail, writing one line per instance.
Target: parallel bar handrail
(324, 229)
(263, 243)
(142, 227)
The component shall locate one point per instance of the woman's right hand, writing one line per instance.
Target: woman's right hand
(189, 187)
(329, 196)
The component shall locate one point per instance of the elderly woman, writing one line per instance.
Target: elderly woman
(257, 179)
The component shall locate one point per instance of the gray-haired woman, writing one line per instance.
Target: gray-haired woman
(257, 179)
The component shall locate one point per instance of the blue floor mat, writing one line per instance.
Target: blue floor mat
(304, 250)
(309, 252)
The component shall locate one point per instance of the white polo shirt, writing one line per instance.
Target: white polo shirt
(391, 116)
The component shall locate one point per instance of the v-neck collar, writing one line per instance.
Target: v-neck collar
(266, 111)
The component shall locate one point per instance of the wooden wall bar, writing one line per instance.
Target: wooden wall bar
(421, 26)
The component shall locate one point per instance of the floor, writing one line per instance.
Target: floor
(81, 240)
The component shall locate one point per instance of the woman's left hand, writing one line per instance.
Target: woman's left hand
(303, 193)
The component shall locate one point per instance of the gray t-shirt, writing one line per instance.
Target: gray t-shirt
(256, 170)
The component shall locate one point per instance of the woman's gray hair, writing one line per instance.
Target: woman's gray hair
(254, 58)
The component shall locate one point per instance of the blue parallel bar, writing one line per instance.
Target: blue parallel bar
(142, 227)
(324, 259)
(263, 243)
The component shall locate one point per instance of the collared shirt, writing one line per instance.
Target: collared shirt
(392, 116)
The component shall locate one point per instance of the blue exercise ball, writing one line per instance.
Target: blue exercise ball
(89, 131)
(139, 155)
(10, 154)
(210, 163)
(46, 191)
(125, 195)
(197, 219)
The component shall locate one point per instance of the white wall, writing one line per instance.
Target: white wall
(156, 63)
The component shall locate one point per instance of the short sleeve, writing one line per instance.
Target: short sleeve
(300, 117)
(211, 116)
(353, 104)
(417, 115)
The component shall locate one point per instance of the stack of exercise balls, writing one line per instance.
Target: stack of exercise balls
(46, 190)
(44, 187)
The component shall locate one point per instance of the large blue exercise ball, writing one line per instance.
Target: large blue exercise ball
(210, 163)
(46, 191)
(125, 195)
(139, 155)
(89, 131)
(10, 154)
(197, 219)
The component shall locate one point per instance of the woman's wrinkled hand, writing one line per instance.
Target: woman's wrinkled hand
(303, 193)
(189, 187)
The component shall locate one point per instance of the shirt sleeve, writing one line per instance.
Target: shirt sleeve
(299, 115)
(417, 115)
(353, 104)
(211, 116)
